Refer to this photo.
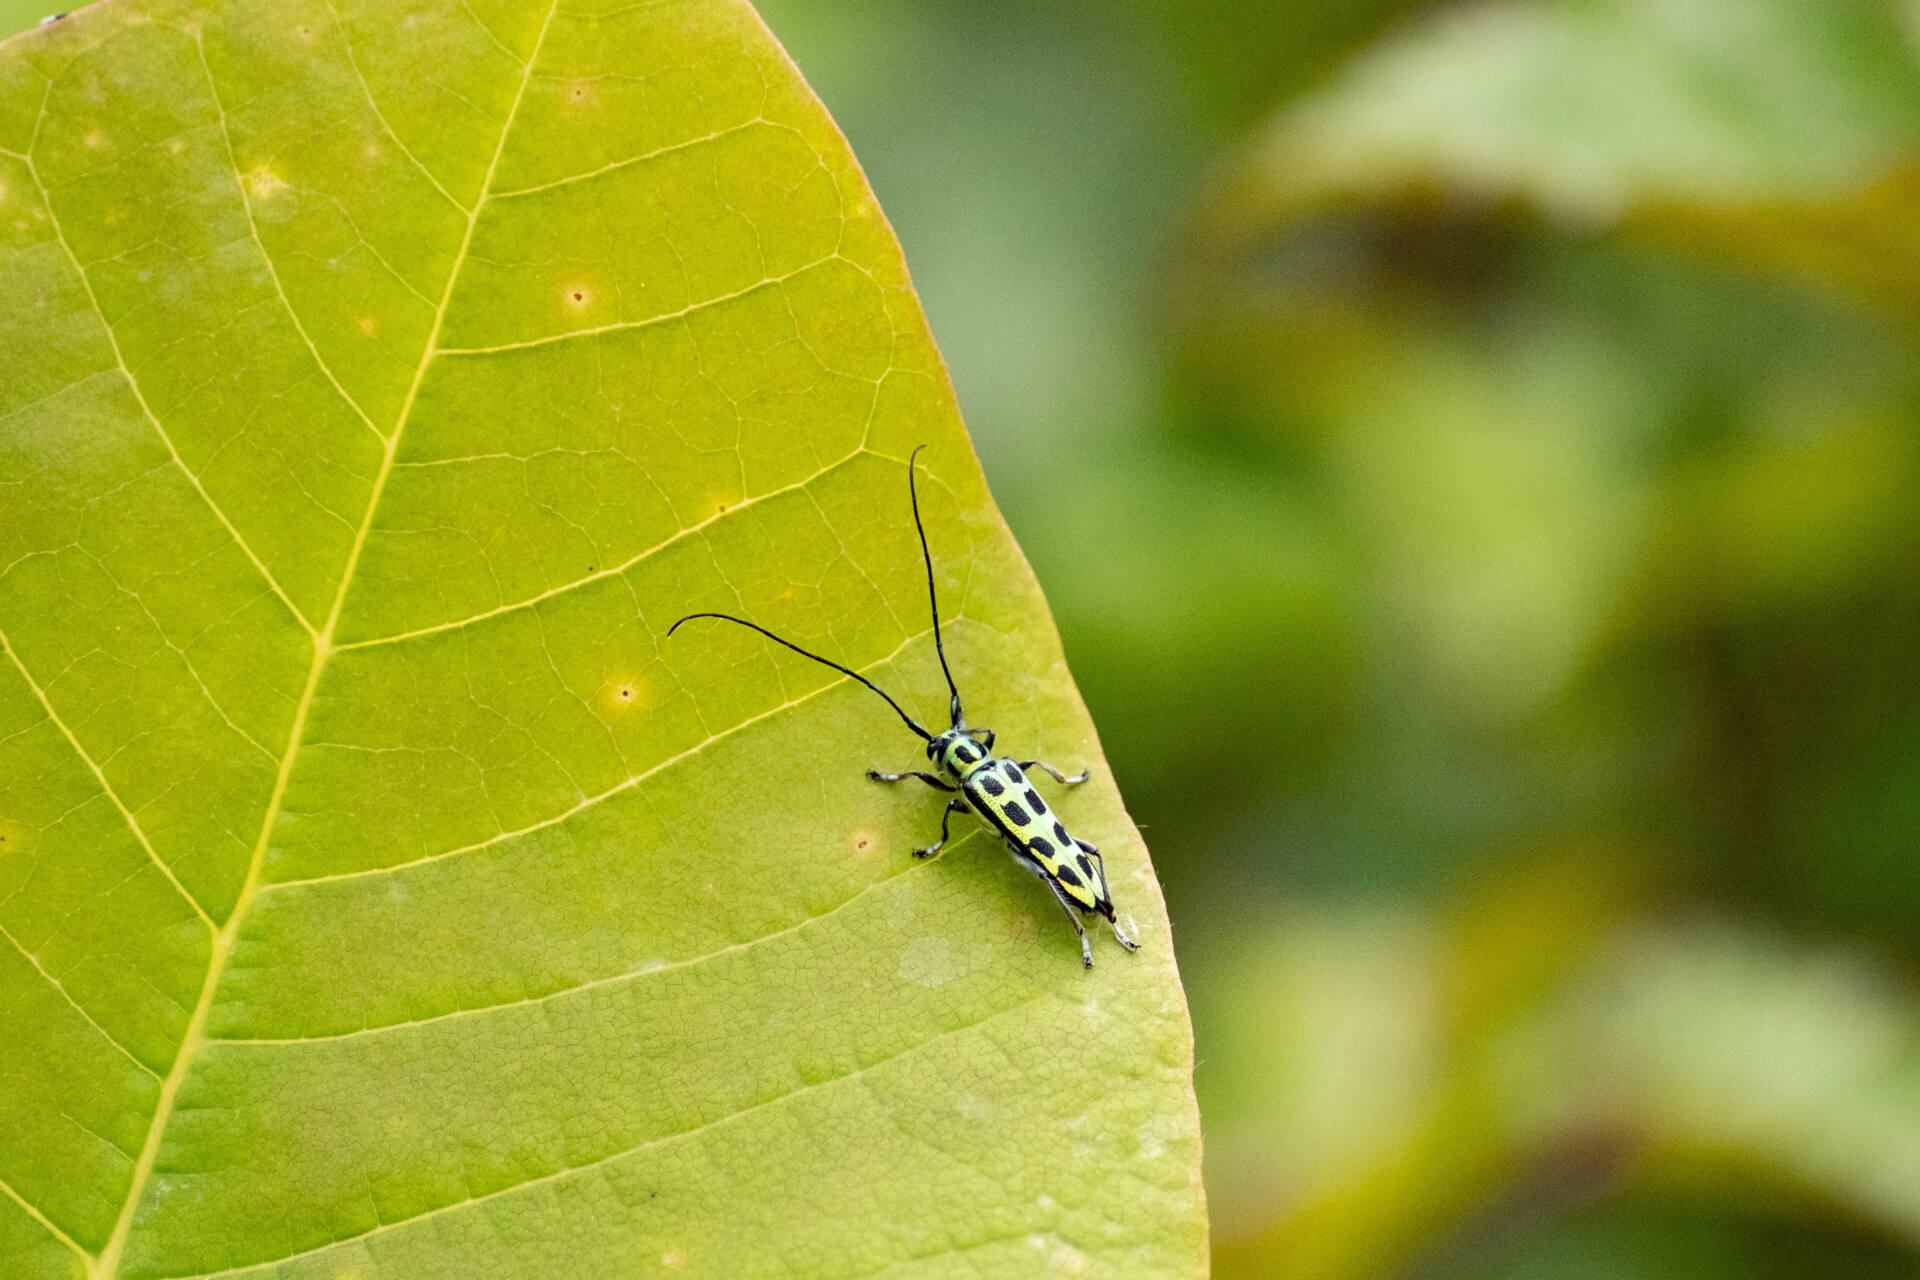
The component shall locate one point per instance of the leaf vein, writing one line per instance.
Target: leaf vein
(611, 979)
(99, 775)
(616, 165)
(78, 1007)
(55, 394)
(253, 230)
(612, 571)
(353, 61)
(623, 325)
(43, 1220)
(186, 661)
(133, 385)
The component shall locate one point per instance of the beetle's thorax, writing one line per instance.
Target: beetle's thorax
(956, 754)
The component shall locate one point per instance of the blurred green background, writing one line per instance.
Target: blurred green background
(1473, 452)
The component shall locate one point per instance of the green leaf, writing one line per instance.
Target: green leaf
(1774, 133)
(383, 893)
(1591, 107)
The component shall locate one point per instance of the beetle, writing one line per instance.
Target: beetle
(997, 789)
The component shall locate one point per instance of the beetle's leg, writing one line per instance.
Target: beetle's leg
(1125, 939)
(1099, 863)
(1058, 776)
(927, 778)
(955, 805)
(1073, 918)
(985, 736)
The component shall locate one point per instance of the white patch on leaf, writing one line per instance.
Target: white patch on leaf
(929, 962)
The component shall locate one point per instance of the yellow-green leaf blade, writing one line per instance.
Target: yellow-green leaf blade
(384, 892)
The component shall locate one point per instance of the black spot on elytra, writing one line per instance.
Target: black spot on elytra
(1039, 845)
(1060, 834)
(992, 784)
(1064, 874)
(1015, 814)
(1014, 775)
(1035, 803)
(1086, 868)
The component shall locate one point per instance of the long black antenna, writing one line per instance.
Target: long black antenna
(932, 599)
(825, 662)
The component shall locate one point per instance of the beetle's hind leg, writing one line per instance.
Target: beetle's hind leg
(1073, 918)
(1121, 935)
(1054, 773)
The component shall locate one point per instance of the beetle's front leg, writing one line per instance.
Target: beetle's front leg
(1056, 775)
(927, 778)
(955, 805)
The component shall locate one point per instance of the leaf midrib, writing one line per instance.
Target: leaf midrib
(107, 1265)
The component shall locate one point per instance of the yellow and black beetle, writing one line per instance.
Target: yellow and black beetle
(994, 787)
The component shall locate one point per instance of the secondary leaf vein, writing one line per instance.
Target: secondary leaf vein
(42, 1219)
(367, 89)
(133, 384)
(611, 979)
(253, 229)
(612, 571)
(99, 775)
(622, 325)
(616, 165)
(78, 1007)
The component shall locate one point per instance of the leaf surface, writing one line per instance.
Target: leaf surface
(383, 895)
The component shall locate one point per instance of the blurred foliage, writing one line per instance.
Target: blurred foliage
(1471, 449)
